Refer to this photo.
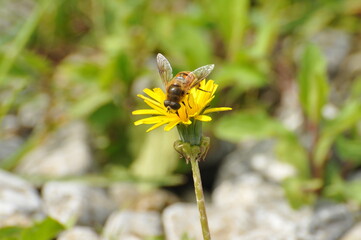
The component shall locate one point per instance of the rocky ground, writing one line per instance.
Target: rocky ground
(247, 203)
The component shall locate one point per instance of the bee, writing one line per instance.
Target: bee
(178, 87)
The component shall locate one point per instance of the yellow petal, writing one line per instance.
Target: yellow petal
(149, 100)
(145, 111)
(160, 108)
(155, 126)
(203, 118)
(171, 125)
(152, 120)
(155, 94)
(187, 122)
(219, 109)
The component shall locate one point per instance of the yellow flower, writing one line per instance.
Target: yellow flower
(194, 107)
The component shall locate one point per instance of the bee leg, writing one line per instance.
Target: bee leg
(188, 105)
(204, 90)
(177, 113)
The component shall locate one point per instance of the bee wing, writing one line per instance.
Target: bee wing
(164, 68)
(201, 73)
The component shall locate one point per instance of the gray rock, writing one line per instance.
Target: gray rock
(19, 200)
(335, 45)
(65, 152)
(33, 112)
(70, 202)
(9, 124)
(331, 221)
(354, 233)
(13, 15)
(79, 233)
(9, 146)
(269, 212)
(352, 64)
(131, 225)
(10, 142)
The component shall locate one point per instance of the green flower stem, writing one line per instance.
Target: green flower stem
(191, 133)
(193, 147)
(200, 199)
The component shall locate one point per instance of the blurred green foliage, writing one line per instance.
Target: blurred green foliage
(339, 137)
(87, 60)
(43, 230)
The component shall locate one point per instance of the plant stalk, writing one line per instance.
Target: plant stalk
(200, 199)
(193, 147)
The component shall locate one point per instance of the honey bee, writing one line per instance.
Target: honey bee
(179, 86)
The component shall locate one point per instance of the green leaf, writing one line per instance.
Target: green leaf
(349, 149)
(313, 85)
(248, 125)
(22, 37)
(156, 162)
(231, 19)
(301, 191)
(243, 76)
(267, 23)
(342, 191)
(87, 105)
(10, 233)
(353, 190)
(356, 89)
(44, 230)
(347, 118)
(290, 150)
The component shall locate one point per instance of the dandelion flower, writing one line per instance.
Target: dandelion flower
(194, 107)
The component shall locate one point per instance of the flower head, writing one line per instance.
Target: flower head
(194, 107)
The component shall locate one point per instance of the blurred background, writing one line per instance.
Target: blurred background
(70, 71)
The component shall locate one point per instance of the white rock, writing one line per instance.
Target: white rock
(129, 196)
(131, 225)
(65, 152)
(70, 202)
(17, 196)
(79, 233)
(271, 168)
(259, 158)
(123, 194)
(225, 223)
(248, 193)
(17, 219)
(249, 209)
(228, 223)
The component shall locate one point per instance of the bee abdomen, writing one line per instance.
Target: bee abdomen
(175, 93)
(174, 96)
